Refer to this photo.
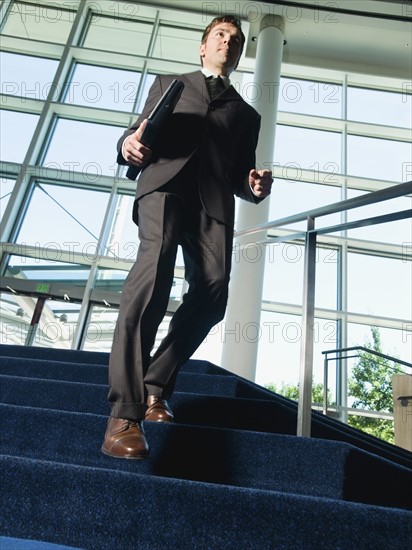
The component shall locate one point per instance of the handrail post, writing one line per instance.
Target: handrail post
(325, 384)
(342, 387)
(308, 321)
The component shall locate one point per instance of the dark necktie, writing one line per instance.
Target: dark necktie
(214, 85)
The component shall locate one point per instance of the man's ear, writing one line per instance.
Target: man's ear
(202, 50)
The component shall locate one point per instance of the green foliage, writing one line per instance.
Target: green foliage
(378, 427)
(292, 392)
(370, 384)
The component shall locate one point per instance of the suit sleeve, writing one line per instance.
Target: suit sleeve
(155, 93)
(247, 161)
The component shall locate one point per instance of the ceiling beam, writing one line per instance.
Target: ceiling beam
(331, 7)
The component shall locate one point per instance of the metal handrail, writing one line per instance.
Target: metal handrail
(346, 350)
(388, 193)
(308, 305)
(371, 351)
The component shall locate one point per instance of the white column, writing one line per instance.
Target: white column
(241, 327)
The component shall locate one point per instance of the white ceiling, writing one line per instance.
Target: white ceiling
(374, 38)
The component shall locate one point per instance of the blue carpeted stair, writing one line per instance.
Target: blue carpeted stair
(229, 474)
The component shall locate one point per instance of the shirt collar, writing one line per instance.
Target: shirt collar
(208, 73)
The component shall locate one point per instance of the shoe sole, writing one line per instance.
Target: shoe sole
(112, 455)
(159, 421)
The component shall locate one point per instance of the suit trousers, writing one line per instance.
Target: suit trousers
(167, 218)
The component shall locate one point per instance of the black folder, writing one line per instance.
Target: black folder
(157, 118)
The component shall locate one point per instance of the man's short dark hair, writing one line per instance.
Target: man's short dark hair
(233, 20)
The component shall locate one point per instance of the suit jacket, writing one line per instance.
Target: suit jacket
(223, 133)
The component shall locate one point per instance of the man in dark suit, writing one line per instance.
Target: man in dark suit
(185, 196)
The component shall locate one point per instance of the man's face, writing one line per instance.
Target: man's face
(221, 51)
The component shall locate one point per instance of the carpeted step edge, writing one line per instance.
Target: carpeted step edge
(121, 510)
(214, 455)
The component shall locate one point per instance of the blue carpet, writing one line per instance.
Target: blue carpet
(8, 543)
(229, 474)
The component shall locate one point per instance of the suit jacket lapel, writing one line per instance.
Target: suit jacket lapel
(230, 94)
(197, 81)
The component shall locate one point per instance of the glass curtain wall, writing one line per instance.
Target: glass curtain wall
(74, 77)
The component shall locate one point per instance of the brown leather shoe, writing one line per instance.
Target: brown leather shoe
(158, 410)
(124, 439)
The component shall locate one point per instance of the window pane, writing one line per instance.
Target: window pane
(312, 98)
(279, 348)
(25, 76)
(299, 96)
(379, 286)
(84, 147)
(47, 268)
(123, 241)
(118, 35)
(283, 281)
(76, 216)
(13, 141)
(326, 277)
(297, 148)
(211, 347)
(177, 43)
(39, 22)
(150, 78)
(100, 329)
(398, 232)
(396, 343)
(15, 315)
(378, 158)
(57, 324)
(102, 87)
(110, 279)
(290, 197)
(378, 107)
(6, 190)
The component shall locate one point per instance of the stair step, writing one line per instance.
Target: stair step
(158, 513)
(229, 457)
(318, 467)
(273, 415)
(83, 397)
(53, 394)
(189, 408)
(82, 372)
(54, 370)
(98, 374)
(89, 358)
(11, 543)
(54, 354)
(229, 473)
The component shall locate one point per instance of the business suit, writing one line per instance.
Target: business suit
(184, 196)
(224, 132)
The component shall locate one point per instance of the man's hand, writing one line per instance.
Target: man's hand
(133, 151)
(260, 182)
